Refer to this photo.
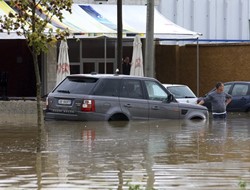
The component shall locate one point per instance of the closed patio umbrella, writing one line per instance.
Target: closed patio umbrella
(137, 60)
(63, 68)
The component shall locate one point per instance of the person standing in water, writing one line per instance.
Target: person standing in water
(219, 101)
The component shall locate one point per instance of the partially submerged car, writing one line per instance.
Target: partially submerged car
(182, 93)
(95, 97)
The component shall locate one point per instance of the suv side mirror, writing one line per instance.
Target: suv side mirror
(170, 98)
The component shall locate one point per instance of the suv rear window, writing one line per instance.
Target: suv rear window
(76, 85)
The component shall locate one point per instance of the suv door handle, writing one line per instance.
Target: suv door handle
(127, 105)
(155, 108)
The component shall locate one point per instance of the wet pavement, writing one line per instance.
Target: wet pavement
(169, 154)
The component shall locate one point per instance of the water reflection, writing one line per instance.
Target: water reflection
(167, 154)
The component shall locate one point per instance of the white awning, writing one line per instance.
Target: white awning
(134, 20)
(101, 20)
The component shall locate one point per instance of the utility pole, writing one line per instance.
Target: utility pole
(149, 52)
(119, 35)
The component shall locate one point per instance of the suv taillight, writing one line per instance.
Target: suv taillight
(88, 105)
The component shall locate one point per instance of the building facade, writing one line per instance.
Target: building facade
(221, 20)
(224, 43)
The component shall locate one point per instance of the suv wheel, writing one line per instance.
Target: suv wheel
(118, 117)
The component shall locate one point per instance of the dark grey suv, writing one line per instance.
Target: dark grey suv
(116, 97)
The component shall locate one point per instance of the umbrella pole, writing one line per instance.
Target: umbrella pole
(105, 55)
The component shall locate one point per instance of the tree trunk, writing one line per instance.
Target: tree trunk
(38, 90)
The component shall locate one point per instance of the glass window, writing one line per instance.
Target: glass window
(109, 68)
(240, 90)
(95, 48)
(110, 48)
(92, 48)
(155, 92)
(107, 87)
(76, 85)
(74, 50)
(88, 67)
(131, 89)
(227, 88)
(74, 69)
(181, 92)
(101, 68)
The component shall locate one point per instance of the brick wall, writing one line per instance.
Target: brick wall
(217, 62)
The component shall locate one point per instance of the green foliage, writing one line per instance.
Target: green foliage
(242, 185)
(134, 187)
(28, 21)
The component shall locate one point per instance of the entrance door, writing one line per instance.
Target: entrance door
(98, 66)
(109, 67)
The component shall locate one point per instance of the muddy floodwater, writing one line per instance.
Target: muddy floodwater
(169, 154)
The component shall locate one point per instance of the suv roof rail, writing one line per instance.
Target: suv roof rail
(93, 73)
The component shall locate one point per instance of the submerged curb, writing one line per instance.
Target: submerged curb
(18, 112)
(19, 107)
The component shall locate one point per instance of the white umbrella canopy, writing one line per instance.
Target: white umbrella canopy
(137, 60)
(63, 68)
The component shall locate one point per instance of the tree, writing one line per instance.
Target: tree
(32, 20)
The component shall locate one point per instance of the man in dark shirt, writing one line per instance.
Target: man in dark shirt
(219, 101)
(126, 66)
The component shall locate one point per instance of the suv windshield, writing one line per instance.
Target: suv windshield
(181, 92)
(155, 92)
(76, 85)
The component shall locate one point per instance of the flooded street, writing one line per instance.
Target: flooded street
(169, 154)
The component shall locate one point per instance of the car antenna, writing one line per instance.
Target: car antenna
(117, 71)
